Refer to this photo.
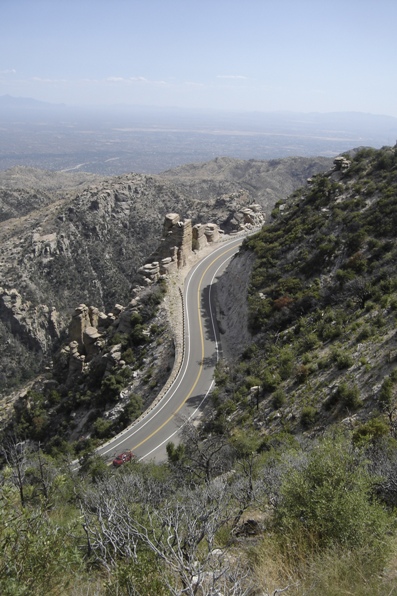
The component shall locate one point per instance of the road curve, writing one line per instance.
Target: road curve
(186, 396)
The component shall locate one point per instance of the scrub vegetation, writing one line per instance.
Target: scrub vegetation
(230, 516)
(322, 306)
(290, 482)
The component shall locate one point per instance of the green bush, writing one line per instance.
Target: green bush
(111, 387)
(386, 393)
(128, 356)
(286, 363)
(371, 431)
(309, 341)
(349, 396)
(302, 372)
(342, 358)
(330, 499)
(102, 428)
(344, 275)
(270, 380)
(308, 416)
(279, 399)
(365, 333)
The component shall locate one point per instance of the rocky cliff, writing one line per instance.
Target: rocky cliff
(76, 245)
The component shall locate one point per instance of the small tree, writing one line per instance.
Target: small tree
(203, 457)
(16, 455)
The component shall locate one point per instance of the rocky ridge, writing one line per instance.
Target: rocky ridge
(86, 246)
(109, 357)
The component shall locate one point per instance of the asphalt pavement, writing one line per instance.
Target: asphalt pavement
(187, 396)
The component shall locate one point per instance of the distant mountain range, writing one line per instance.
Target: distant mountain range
(114, 140)
(8, 101)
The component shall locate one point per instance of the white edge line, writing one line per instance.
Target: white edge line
(159, 407)
(193, 414)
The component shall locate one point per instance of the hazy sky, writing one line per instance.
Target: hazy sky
(299, 55)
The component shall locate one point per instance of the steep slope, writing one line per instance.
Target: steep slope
(322, 302)
(71, 247)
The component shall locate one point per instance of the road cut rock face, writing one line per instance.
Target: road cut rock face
(232, 311)
(179, 240)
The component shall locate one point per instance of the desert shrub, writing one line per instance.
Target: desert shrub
(379, 321)
(342, 358)
(143, 577)
(308, 416)
(385, 160)
(221, 374)
(370, 188)
(259, 311)
(119, 338)
(38, 554)
(344, 275)
(355, 241)
(330, 572)
(111, 387)
(252, 381)
(102, 428)
(151, 300)
(31, 416)
(128, 356)
(329, 500)
(308, 341)
(329, 331)
(357, 262)
(279, 398)
(138, 336)
(282, 302)
(285, 363)
(289, 285)
(349, 396)
(132, 410)
(302, 371)
(270, 380)
(386, 393)
(371, 431)
(365, 333)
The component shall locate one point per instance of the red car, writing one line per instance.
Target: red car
(123, 458)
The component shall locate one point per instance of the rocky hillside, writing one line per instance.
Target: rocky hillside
(265, 181)
(67, 239)
(322, 308)
(23, 189)
(294, 489)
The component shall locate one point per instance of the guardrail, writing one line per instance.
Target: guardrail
(179, 343)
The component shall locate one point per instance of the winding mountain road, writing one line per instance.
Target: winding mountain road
(186, 396)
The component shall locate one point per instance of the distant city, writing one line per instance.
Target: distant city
(150, 140)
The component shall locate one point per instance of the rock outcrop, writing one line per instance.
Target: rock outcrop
(179, 241)
(60, 247)
(49, 245)
(341, 163)
(37, 326)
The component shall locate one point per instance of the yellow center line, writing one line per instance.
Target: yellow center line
(202, 357)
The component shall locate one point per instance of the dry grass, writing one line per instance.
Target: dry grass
(334, 572)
